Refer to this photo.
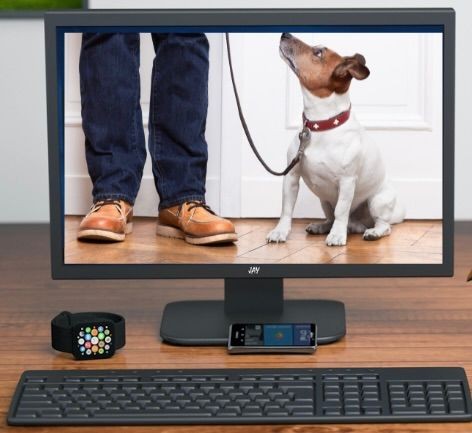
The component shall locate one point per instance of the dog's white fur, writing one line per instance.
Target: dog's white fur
(344, 168)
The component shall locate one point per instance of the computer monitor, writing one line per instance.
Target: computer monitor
(373, 87)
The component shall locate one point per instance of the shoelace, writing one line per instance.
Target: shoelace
(196, 204)
(99, 204)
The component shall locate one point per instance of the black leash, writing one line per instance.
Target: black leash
(304, 136)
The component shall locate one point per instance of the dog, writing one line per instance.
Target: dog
(340, 164)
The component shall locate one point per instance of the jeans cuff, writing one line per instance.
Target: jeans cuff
(113, 196)
(175, 202)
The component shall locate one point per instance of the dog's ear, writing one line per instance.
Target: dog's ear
(352, 67)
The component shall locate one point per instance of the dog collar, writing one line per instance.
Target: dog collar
(327, 124)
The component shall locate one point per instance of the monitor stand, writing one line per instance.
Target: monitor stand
(257, 300)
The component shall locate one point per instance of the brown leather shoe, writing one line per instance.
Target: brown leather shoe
(108, 220)
(195, 222)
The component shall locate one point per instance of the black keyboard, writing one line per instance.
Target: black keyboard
(232, 396)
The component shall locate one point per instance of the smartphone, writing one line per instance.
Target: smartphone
(272, 338)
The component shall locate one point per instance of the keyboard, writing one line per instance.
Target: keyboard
(240, 396)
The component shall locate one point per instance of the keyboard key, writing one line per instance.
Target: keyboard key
(415, 387)
(251, 412)
(370, 404)
(301, 393)
(454, 394)
(198, 379)
(225, 412)
(300, 406)
(332, 405)
(333, 398)
(331, 377)
(245, 388)
(302, 412)
(36, 380)
(369, 377)
(306, 378)
(218, 378)
(417, 400)
(370, 387)
(373, 411)
(332, 411)
(78, 414)
(438, 407)
(396, 387)
(277, 412)
(352, 400)
(352, 412)
(350, 377)
(408, 411)
(26, 413)
(437, 400)
(351, 387)
(456, 406)
(233, 407)
(50, 412)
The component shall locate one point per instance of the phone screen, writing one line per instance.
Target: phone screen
(273, 335)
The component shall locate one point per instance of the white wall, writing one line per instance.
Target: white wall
(23, 142)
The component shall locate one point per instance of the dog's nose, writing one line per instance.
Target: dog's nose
(286, 36)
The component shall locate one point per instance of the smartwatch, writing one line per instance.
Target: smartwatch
(88, 335)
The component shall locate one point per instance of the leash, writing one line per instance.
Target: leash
(304, 135)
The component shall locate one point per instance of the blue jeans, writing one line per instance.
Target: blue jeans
(112, 117)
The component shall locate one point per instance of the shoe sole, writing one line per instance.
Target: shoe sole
(104, 235)
(175, 233)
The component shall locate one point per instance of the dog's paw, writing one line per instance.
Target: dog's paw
(335, 239)
(375, 234)
(318, 228)
(278, 235)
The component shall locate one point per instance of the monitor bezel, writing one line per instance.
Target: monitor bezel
(55, 21)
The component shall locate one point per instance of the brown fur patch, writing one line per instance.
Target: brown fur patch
(321, 70)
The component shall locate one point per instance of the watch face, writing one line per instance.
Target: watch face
(93, 341)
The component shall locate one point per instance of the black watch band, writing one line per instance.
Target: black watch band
(75, 333)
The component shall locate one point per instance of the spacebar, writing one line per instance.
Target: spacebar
(408, 411)
(148, 414)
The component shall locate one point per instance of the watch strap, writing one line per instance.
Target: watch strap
(63, 324)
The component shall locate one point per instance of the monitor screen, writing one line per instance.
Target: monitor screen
(156, 167)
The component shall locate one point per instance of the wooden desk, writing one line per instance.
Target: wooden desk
(391, 322)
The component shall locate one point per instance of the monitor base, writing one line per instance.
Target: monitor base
(206, 323)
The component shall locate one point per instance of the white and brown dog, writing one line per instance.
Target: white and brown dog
(341, 165)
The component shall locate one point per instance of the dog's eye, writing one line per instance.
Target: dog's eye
(318, 51)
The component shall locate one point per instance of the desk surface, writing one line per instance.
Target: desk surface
(391, 322)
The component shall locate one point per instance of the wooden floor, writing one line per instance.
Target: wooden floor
(418, 241)
(391, 322)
